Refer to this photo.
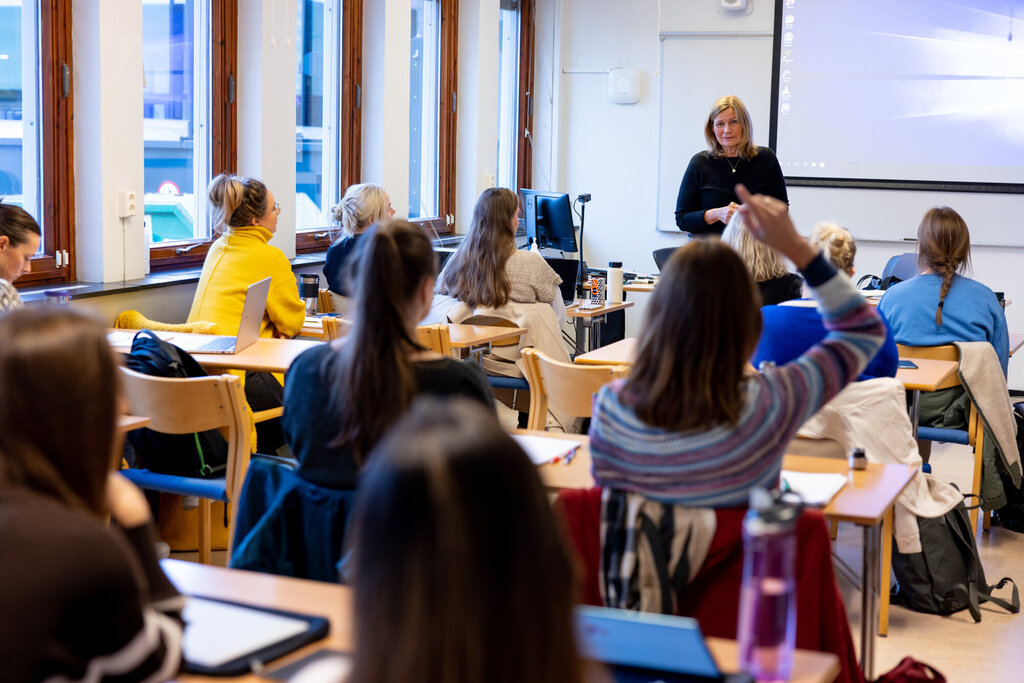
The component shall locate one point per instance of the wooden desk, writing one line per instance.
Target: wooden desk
(267, 355)
(126, 423)
(929, 375)
(481, 336)
(622, 352)
(590, 322)
(335, 603)
(866, 500)
(313, 326)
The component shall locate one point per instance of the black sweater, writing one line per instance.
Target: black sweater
(709, 183)
(77, 596)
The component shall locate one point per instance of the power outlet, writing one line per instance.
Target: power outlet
(125, 204)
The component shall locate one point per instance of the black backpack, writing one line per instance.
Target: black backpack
(946, 576)
(201, 454)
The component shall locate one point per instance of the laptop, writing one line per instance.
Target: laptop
(567, 269)
(638, 647)
(248, 330)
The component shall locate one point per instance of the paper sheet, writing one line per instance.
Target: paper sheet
(815, 488)
(543, 449)
(217, 633)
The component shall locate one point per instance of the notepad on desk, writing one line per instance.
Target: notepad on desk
(815, 488)
(544, 449)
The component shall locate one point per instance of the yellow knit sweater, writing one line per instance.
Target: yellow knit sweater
(237, 259)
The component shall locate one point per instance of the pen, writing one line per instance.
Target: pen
(786, 488)
(570, 455)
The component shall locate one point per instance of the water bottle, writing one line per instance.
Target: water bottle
(767, 620)
(615, 282)
(309, 290)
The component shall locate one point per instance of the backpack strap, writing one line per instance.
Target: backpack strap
(1013, 606)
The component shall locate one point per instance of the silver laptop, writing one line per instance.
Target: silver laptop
(248, 329)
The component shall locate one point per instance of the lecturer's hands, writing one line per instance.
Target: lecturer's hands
(722, 213)
(768, 220)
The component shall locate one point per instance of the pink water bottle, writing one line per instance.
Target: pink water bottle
(767, 620)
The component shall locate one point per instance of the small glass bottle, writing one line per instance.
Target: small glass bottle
(767, 619)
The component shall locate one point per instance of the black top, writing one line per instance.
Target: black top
(79, 595)
(709, 183)
(777, 290)
(336, 265)
(308, 425)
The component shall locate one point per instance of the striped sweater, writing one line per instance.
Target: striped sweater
(717, 467)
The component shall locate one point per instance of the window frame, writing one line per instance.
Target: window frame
(318, 239)
(527, 45)
(56, 149)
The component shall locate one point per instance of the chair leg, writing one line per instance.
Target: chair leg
(976, 483)
(833, 528)
(986, 519)
(205, 516)
(885, 573)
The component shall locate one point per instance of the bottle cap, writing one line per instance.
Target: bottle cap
(615, 264)
(769, 513)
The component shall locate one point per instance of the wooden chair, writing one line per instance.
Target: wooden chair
(183, 406)
(335, 327)
(974, 436)
(437, 338)
(563, 387)
(324, 302)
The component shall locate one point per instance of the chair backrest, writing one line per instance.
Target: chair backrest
(944, 352)
(324, 302)
(197, 404)
(901, 266)
(565, 388)
(335, 327)
(661, 256)
(437, 338)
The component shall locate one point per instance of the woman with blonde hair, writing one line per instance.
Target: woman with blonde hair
(766, 266)
(795, 326)
(706, 200)
(362, 206)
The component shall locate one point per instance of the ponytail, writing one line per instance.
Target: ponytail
(943, 246)
(372, 377)
(236, 201)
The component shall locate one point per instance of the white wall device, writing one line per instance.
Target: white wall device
(734, 5)
(625, 85)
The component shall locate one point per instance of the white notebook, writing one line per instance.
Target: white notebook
(544, 449)
(815, 488)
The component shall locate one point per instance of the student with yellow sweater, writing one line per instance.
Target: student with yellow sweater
(246, 214)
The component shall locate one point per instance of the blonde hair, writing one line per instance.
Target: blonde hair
(763, 262)
(362, 206)
(747, 148)
(837, 243)
(237, 201)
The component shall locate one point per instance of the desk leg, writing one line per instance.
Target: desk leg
(883, 611)
(869, 601)
(915, 411)
(582, 327)
(595, 333)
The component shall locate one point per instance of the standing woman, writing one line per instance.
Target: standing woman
(79, 599)
(246, 213)
(706, 198)
(19, 240)
(362, 206)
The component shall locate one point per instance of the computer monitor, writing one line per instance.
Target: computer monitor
(549, 219)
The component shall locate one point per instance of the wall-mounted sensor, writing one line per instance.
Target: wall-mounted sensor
(734, 5)
(625, 86)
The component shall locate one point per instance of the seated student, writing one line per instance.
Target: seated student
(687, 426)
(939, 306)
(80, 599)
(246, 213)
(489, 276)
(19, 241)
(341, 397)
(447, 482)
(792, 328)
(362, 206)
(768, 268)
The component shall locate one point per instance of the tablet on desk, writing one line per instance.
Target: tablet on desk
(907, 364)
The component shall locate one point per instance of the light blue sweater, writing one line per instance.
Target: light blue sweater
(971, 313)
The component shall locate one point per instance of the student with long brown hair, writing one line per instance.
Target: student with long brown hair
(460, 572)
(19, 241)
(79, 599)
(940, 305)
(688, 426)
(341, 397)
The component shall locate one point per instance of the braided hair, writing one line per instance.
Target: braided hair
(944, 247)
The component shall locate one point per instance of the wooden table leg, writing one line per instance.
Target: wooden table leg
(883, 587)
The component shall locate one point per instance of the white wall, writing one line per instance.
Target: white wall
(611, 150)
(266, 105)
(107, 36)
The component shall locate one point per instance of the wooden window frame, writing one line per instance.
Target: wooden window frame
(223, 127)
(57, 148)
(524, 151)
(307, 241)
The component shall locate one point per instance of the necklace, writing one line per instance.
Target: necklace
(738, 159)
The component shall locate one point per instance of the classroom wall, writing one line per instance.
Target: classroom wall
(583, 143)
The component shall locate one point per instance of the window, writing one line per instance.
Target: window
(35, 127)
(432, 103)
(327, 124)
(508, 93)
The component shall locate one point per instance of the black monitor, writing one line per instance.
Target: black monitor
(549, 219)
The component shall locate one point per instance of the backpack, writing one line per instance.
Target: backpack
(946, 576)
(1011, 515)
(200, 454)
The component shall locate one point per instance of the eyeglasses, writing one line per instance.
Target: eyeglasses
(277, 207)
